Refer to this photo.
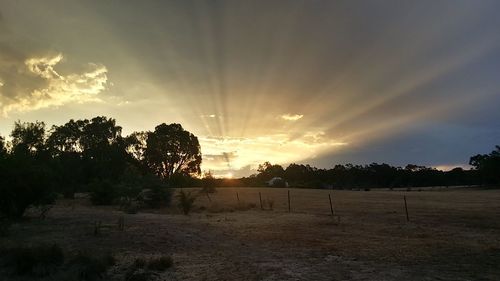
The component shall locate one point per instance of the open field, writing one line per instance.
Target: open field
(452, 235)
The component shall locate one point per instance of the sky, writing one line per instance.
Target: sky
(316, 82)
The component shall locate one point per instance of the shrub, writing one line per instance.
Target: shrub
(155, 193)
(268, 204)
(23, 184)
(102, 193)
(89, 267)
(186, 201)
(209, 183)
(160, 264)
(39, 261)
(139, 263)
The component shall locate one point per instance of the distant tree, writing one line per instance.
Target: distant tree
(268, 171)
(208, 183)
(488, 166)
(171, 150)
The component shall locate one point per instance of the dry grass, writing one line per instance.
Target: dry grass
(452, 235)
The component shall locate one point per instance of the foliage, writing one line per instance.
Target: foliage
(155, 193)
(360, 176)
(488, 166)
(24, 183)
(38, 261)
(172, 150)
(208, 183)
(102, 193)
(90, 267)
(186, 201)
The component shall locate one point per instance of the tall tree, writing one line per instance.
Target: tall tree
(171, 150)
(28, 137)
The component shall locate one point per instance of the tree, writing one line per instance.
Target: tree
(25, 176)
(171, 150)
(268, 171)
(3, 148)
(28, 137)
(488, 166)
(66, 138)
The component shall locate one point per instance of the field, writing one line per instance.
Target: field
(451, 235)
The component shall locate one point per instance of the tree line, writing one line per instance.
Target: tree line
(485, 172)
(91, 155)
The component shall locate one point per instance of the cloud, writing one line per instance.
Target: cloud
(289, 117)
(34, 83)
(249, 152)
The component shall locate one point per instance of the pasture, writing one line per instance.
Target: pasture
(450, 235)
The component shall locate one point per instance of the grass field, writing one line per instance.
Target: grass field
(451, 235)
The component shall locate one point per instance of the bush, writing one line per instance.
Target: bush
(90, 267)
(155, 193)
(102, 193)
(38, 261)
(23, 184)
(186, 201)
(139, 263)
(268, 204)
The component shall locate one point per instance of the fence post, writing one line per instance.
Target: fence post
(260, 199)
(331, 206)
(406, 208)
(289, 201)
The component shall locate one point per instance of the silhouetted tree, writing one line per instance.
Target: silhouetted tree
(171, 150)
(488, 166)
(28, 138)
(268, 171)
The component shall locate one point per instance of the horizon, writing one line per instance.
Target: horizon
(317, 83)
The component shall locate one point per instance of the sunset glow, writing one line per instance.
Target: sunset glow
(317, 82)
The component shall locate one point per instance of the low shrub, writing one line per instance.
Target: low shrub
(37, 261)
(268, 204)
(186, 201)
(155, 193)
(23, 184)
(89, 268)
(102, 193)
(139, 263)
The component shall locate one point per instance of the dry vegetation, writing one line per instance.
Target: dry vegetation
(452, 235)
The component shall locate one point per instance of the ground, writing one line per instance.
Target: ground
(451, 235)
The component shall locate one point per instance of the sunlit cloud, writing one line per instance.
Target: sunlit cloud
(59, 89)
(252, 151)
(449, 167)
(290, 117)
